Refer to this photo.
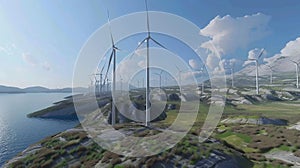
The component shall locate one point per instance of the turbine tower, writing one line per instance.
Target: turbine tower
(112, 58)
(147, 40)
(297, 72)
(202, 84)
(159, 74)
(257, 64)
(297, 69)
(91, 85)
(271, 73)
(179, 77)
(231, 67)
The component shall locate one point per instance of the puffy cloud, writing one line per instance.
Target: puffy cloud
(273, 59)
(212, 61)
(228, 34)
(194, 64)
(292, 49)
(281, 61)
(253, 54)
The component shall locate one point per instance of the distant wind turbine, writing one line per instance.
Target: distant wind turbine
(159, 74)
(179, 77)
(202, 84)
(257, 64)
(147, 40)
(112, 58)
(271, 73)
(297, 72)
(297, 69)
(91, 85)
(231, 67)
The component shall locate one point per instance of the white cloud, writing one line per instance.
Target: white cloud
(292, 49)
(194, 64)
(253, 54)
(30, 59)
(33, 61)
(281, 61)
(212, 61)
(228, 34)
(190, 75)
(270, 60)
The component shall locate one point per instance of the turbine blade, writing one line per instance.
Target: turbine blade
(293, 61)
(260, 54)
(111, 36)
(158, 43)
(148, 24)
(102, 68)
(141, 43)
(109, 62)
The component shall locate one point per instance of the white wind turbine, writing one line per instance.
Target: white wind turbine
(231, 68)
(257, 64)
(179, 77)
(202, 84)
(297, 72)
(147, 40)
(159, 74)
(112, 58)
(296, 63)
(271, 73)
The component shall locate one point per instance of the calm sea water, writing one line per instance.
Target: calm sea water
(17, 131)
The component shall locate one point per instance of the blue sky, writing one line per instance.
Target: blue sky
(40, 40)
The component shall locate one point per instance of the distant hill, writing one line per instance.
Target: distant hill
(36, 89)
(39, 89)
(7, 89)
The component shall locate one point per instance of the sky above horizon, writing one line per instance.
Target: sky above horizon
(40, 40)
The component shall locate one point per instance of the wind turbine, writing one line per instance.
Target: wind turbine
(297, 68)
(97, 82)
(112, 58)
(202, 85)
(256, 64)
(231, 67)
(297, 72)
(138, 84)
(159, 74)
(91, 85)
(271, 73)
(179, 77)
(147, 40)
